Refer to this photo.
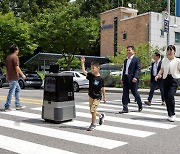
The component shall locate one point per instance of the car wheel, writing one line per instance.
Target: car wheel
(1, 83)
(21, 84)
(76, 86)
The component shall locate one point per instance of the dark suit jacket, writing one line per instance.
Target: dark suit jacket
(159, 67)
(133, 70)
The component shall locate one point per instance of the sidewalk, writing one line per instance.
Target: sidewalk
(141, 91)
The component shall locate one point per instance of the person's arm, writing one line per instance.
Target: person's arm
(137, 72)
(83, 66)
(6, 75)
(18, 70)
(104, 94)
(159, 75)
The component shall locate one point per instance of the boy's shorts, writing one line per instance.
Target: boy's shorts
(93, 104)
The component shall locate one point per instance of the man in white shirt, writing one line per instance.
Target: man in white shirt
(130, 79)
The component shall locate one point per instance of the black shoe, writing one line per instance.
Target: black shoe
(123, 111)
(148, 103)
(101, 119)
(140, 109)
(163, 103)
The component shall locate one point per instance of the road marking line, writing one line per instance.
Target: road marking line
(25, 147)
(129, 107)
(158, 107)
(30, 102)
(124, 120)
(130, 113)
(149, 115)
(112, 129)
(56, 133)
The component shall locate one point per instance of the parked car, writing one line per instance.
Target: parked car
(146, 70)
(2, 79)
(111, 69)
(79, 80)
(32, 80)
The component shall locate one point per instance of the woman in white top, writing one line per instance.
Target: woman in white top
(170, 71)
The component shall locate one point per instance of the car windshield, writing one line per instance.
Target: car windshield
(77, 74)
(111, 67)
(31, 74)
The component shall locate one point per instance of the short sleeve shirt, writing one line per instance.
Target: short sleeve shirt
(11, 62)
(95, 85)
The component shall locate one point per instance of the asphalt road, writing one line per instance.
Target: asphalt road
(147, 132)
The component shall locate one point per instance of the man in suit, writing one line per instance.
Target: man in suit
(130, 79)
(155, 67)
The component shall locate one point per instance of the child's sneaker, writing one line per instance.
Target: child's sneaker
(101, 119)
(9, 109)
(20, 107)
(91, 127)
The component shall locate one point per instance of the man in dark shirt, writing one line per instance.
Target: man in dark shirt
(155, 67)
(130, 79)
(12, 75)
(96, 88)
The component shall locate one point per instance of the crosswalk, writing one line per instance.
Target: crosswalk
(112, 134)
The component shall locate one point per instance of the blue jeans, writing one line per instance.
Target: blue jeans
(14, 87)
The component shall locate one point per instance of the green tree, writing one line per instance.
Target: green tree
(143, 51)
(14, 30)
(62, 30)
(28, 9)
(92, 8)
(75, 63)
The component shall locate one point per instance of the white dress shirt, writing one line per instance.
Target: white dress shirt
(155, 68)
(171, 67)
(128, 63)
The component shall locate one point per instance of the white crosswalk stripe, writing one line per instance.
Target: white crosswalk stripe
(131, 108)
(151, 117)
(74, 137)
(105, 128)
(127, 121)
(25, 147)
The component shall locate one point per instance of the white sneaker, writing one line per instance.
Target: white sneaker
(20, 107)
(172, 118)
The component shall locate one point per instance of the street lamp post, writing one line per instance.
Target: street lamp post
(168, 33)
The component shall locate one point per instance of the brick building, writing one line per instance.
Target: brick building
(122, 27)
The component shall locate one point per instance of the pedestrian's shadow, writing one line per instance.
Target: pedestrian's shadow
(149, 119)
(108, 111)
(51, 123)
(74, 127)
(120, 112)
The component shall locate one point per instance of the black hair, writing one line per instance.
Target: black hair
(13, 48)
(95, 63)
(132, 47)
(157, 54)
(171, 47)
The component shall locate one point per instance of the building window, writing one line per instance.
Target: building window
(125, 17)
(124, 36)
(177, 37)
